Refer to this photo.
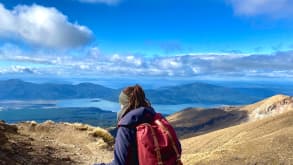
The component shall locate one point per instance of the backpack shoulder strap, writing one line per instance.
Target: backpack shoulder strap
(160, 124)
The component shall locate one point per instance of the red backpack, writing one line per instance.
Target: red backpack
(157, 143)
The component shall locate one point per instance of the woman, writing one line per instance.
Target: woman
(135, 110)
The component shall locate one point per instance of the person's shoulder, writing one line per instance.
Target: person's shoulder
(137, 116)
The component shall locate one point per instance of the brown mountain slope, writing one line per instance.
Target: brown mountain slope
(266, 141)
(53, 143)
(195, 121)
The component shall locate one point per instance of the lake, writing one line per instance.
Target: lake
(115, 107)
(73, 110)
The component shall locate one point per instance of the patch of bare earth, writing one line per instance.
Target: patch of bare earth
(30, 143)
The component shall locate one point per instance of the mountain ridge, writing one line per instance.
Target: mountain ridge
(196, 121)
(196, 92)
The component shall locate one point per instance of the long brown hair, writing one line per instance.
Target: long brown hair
(136, 97)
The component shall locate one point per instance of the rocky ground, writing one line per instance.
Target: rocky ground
(53, 143)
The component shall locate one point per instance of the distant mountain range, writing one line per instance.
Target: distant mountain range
(18, 89)
(201, 93)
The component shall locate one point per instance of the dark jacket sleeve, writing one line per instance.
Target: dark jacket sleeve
(124, 142)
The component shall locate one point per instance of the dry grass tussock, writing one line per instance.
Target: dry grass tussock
(96, 132)
(105, 135)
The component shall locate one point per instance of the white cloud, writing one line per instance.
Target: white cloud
(133, 60)
(271, 8)
(126, 60)
(17, 69)
(21, 69)
(169, 63)
(108, 2)
(42, 26)
(195, 70)
(115, 57)
(273, 65)
(94, 52)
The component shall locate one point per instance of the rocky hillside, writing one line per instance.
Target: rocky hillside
(53, 143)
(269, 107)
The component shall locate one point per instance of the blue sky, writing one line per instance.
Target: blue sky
(155, 38)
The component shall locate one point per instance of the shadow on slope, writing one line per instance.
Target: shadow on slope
(195, 121)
